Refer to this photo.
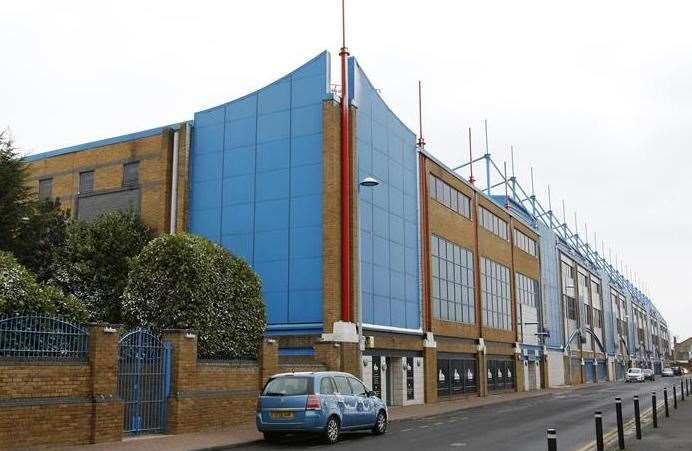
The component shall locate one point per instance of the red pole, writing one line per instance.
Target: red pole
(345, 181)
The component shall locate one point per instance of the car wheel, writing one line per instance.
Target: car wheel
(380, 423)
(272, 437)
(331, 431)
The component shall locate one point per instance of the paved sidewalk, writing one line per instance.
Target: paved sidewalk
(247, 433)
(673, 433)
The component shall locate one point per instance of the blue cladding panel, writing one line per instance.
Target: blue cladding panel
(550, 280)
(256, 187)
(386, 150)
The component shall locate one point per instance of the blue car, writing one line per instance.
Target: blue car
(324, 402)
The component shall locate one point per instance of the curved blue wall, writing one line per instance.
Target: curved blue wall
(256, 187)
(389, 252)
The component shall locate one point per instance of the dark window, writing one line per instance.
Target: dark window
(45, 189)
(327, 386)
(358, 387)
(410, 389)
(456, 376)
(287, 386)
(571, 307)
(131, 174)
(500, 374)
(588, 315)
(342, 385)
(86, 182)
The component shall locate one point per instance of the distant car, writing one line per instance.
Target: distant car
(634, 375)
(649, 374)
(667, 372)
(677, 371)
(324, 402)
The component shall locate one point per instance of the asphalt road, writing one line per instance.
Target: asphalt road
(514, 425)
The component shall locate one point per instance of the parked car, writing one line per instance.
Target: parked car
(324, 402)
(667, 372)
(677, 371)
(649, 374)
(634, 375)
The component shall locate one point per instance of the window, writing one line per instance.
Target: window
(86, 182)
(327, 386)
(449, 197)
(588, 317)
(500, 374)
(358, 387)
(288, 386)
(456, 376)
(571, 308)
(493, 223)
(452, 293)
(523, 242)
(131, 174)
(597, 318)
(495, 295)
(342, 385)
(527, 290)
(45, 189)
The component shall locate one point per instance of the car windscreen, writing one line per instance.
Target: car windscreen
(635, 370)
(288, 386)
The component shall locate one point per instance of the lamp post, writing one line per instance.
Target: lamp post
(367, 182)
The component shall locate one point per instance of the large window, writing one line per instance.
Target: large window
(449, 197)
(452, 282)
(523, 242)
(86, 182)
(45, 189)
(527, 290)
(493, 223)
(567, 274)
(456, 376)
(495, 295)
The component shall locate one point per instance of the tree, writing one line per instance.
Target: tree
(94, 261)
(16, 198)
(21, 293)
(185, 281)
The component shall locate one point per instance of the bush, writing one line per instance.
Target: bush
(184, 281)
(95, 260)
(21, 294)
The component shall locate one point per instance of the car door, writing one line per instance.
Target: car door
(365, 405)
(346, 402)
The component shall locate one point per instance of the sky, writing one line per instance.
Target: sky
(595, 96)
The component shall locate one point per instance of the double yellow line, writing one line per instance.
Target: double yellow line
(611, 436)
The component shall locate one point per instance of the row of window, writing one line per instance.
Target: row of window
(526, 244)
(527, 289)
(456, 376)
(495, 295)
(493, 223)
(500, 374)
(452, 282)
(449, 197)
(86, 181)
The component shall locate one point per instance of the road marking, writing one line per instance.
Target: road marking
(406, 430)
(424, 426)
(439, 423)
(457, 444)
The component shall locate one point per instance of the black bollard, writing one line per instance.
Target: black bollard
(654, 414)
(552, 439)
(682, 390)
(665, 400)
(598, 416)
(637, 419)
(621, 430)
(675, 397)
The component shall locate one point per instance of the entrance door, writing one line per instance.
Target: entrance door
(531, 368)
(144, 381)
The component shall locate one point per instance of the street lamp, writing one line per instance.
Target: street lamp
(367, 182)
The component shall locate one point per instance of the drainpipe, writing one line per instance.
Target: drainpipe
(174, 182)
(345, 184)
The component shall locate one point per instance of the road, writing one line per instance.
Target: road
(514, 425)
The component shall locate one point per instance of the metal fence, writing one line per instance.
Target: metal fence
(42, 337)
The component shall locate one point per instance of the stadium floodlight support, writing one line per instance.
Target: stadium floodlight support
(538, 213)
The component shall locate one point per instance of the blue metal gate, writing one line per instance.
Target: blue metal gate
(144, 381)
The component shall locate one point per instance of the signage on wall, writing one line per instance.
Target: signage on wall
(376, 376)
(457, 377)
(490, 374)
(440, 376)
(469, 374)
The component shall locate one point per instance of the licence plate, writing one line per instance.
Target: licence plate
(282, 415)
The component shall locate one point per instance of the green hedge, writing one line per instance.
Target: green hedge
(185, 281)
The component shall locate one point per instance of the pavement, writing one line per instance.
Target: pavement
(492, 422)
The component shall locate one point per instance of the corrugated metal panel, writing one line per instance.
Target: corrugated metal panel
(386, 150)
(256, 187)
(550, 286)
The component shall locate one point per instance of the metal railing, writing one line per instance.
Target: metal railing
(42, 337)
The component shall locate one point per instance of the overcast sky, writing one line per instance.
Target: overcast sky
(596, 96)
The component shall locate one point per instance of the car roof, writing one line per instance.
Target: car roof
(314, 373)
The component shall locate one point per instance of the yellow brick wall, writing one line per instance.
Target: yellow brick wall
(154, 154)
